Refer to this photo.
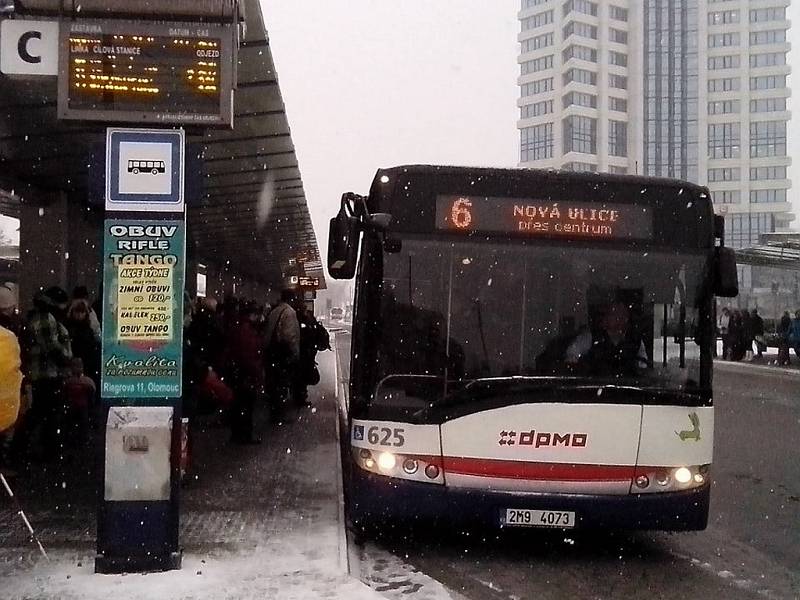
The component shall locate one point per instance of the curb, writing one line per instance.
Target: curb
(726, 365)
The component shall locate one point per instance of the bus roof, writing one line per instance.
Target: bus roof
(534, 176)
(682, 212)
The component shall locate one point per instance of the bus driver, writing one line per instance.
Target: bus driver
(613, 347)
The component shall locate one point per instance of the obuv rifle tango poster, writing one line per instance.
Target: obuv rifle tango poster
(143, 281)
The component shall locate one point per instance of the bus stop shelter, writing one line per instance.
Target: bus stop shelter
(249, 228)
(777, 250)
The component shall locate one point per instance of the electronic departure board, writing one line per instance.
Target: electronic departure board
(544, 218)
(146, 72)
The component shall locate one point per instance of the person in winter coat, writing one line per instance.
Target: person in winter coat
(736, 333)
(794, 334)
(50, 354)
(746, 335)
(80, 392)
(247, 367)
(81, 293)
(724, 332)
(757, 328)
(313, 338)
(10, 379)
(11, 405)
(204, 351)
(281, 353)
(84, 338)
(783, 338)
(10, 395)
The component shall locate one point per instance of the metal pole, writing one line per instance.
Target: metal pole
(21, 513)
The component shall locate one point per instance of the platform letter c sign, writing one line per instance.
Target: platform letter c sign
(29, 47)
(23, 46)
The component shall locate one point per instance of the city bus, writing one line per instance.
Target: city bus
(530, 348)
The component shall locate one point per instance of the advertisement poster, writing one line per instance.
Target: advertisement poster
(143, 282)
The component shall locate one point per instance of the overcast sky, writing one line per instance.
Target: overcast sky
(373, 83)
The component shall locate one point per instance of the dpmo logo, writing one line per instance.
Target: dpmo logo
(543, 439)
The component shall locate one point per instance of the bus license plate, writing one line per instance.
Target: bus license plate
(519, 517)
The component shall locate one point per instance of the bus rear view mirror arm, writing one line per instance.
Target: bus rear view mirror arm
(379, 221)
(345, 234)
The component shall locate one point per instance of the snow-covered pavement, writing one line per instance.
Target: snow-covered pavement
(261, 522)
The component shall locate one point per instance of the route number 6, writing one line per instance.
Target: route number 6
(384, 436)
(460, 213)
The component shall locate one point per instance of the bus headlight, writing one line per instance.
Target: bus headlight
(668, 479)
(388, 464)
(683, 475)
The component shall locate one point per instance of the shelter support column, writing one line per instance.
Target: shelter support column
(85, 247)
(44, 243)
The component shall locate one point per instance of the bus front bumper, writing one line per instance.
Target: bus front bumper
(374, 499)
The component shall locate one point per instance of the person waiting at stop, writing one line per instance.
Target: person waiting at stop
(612, 347)
(281, 354)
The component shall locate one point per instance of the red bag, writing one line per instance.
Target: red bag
(214, 391)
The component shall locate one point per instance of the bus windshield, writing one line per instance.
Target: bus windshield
(457, 312)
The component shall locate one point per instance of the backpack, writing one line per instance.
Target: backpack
(322, 339)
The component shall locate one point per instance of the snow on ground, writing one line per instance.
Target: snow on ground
(292, 568)
(262, 523)
(394, 578)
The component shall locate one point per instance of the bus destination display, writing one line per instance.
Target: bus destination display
(480, 214)
(146, 72)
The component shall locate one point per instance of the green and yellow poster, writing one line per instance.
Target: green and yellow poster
(144, 263)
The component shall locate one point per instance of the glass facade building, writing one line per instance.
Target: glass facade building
(671, 81)
(687, 89)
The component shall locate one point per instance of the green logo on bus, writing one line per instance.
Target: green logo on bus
(691, 434)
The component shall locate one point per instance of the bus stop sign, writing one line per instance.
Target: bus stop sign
(145, 170)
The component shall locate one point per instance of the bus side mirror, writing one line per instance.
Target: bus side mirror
(343, 246)
(726, 276)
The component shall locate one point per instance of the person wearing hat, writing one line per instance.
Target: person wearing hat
(49, 356)
(9, 316)
(81, 295)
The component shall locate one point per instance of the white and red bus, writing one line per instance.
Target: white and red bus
(530, 348)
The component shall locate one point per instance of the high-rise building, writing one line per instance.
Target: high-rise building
(691, 89)
(575, 77)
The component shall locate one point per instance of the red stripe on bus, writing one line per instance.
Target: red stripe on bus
(536, 471)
